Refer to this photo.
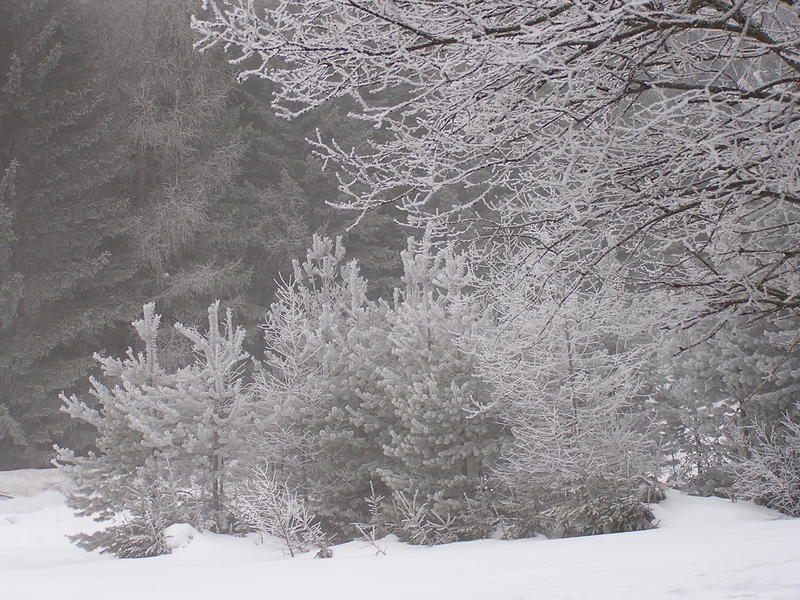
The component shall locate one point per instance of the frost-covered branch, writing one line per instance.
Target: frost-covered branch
(663, 131)
(271, 507)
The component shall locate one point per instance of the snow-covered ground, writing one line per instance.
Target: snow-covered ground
(706, 548)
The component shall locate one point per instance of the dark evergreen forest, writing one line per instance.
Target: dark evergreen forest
(135, 169)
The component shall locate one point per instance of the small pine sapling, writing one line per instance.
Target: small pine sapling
(420, 523)
(120, 475)
(215, 417)
(167, 442)
(371, 531)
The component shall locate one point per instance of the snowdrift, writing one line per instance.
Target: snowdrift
(705, 549)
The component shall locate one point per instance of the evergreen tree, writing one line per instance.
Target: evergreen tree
(184, 146)
(224, 192)
(126, 402)
(294, 191)
(133, 169)
(213, 420)
(441, 445)
(360, 400)
(65, 264)
(167, 442)
(317, 389)
(565, 371)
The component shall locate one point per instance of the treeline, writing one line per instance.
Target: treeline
(133, 169)
(368, 417)
(451, 412)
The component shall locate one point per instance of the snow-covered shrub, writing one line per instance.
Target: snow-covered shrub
(418, 522)
(714, 394)
(594, 507)
(271, 507)
(139, 537)
(770, 475)
(418, 519)
(139, 532)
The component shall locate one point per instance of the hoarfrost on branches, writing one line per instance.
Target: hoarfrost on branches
(665, 131)
(565, 376)
(770, 474)
(272, 507)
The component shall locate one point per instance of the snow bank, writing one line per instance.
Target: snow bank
(707, 549)
(680, 511)
(29, 482)
(179, 535)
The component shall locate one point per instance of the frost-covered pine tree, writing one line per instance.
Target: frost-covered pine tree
(439, 448)
(359, 399)
(318, 423)
(123, 472)
(166, 441)
(744, 377)
(212, 421)
(695, 421)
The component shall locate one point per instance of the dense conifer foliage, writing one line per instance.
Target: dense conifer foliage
(726, 397)
(441, 447)
(362, 398)
(406, 417)
(318, 389)
(67, 267)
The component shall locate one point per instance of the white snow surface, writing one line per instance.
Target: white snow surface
(29, 482)
(178, 535)
(705, 548)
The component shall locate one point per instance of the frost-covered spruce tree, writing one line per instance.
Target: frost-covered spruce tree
(212, 421)
(695, 422)
(121, 474)
(165, 441)
(439, 449)
(564, 371)
(318, 414)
